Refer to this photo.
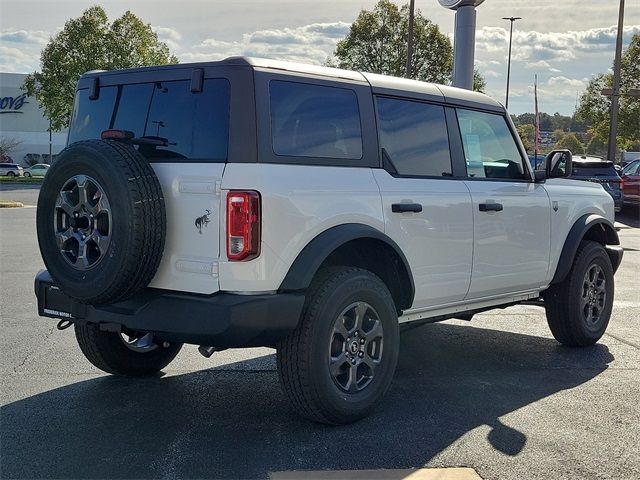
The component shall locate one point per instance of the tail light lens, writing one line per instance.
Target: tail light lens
(243, 225)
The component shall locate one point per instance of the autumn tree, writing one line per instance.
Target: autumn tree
(377, 43)
(91, 42)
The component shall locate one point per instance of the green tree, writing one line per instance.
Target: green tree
(377, 43)
(594, 107)
(527, 133)
(596, 147)
(90, 42)
(571, 142)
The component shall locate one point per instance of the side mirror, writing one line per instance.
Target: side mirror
(558, 164)
(539, 176)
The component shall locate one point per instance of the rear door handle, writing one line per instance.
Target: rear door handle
(490, 207)
(406, 207)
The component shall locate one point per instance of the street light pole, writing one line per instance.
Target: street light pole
(512, 20)
(407, 70)
(615, 94)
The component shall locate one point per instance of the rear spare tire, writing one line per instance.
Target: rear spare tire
(101, 221)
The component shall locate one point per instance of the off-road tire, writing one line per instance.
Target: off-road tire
(138, 221)
(303, 356)
(108, 352)
(562, 301)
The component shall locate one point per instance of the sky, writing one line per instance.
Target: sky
(564, 42)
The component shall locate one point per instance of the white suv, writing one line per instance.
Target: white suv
(258, 203)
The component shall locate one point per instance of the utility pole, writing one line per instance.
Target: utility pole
(407, 70)
(512, 20)
(615, 94)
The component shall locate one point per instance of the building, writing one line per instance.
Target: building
(22, 119)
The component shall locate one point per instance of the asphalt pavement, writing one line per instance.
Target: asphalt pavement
(497, 394)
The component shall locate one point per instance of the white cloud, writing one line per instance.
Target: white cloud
(311, 43)
(170, 36)
(540, 47)
(33, 37)
(538, 64)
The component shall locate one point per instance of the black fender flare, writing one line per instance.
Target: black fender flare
(577, 234)
(308, 261)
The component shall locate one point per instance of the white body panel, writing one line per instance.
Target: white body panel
(190, 259)
(573, 199)
(511, 247)
(438, 241)
(460, 258)
(298, 203)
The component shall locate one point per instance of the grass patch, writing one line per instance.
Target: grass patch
(6, 179)
(10, 204)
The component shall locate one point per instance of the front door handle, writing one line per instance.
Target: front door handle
(406, 207)
(490, 207)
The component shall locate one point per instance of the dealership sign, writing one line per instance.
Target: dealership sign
(13, 104)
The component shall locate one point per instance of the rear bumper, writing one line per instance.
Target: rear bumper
(220, 320)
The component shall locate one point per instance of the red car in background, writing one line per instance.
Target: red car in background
(631, 183)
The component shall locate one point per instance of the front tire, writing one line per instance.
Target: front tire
(341, 358)
(109, 352)
(579, 308)
(27, 174)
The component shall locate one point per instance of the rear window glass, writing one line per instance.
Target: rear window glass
(91, 117)
(133, 106)
(195, 126)
(592, 169)
(315, 121)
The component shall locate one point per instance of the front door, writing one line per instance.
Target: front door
(511, 213)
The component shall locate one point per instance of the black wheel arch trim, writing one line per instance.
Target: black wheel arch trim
(312, 256)
(577, 234)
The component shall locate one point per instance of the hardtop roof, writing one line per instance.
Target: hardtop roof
(379, 83)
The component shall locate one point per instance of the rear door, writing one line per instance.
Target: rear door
(427, 211)
(511, 214)
(194, 125)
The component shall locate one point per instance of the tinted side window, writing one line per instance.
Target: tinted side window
(414, 136)
(314, 121)
(92, 117)
(196, 125)
(489, 147)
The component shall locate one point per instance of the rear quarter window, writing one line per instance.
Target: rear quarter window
(314, 121)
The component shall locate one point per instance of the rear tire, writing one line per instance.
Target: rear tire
(109, 352)
(341, 358)
(579, 308)
(27, 174)
(11, 174)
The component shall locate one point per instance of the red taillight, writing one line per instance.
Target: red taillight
(243, 225)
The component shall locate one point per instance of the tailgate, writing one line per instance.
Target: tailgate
(192, 244)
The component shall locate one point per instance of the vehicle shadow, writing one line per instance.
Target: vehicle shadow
(230, 423)
(629, 216)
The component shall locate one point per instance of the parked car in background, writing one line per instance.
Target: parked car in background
(597, 170)
(37, 170)
(11, 170)
(631, 183)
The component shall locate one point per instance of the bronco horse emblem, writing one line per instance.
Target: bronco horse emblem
(203, 221)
